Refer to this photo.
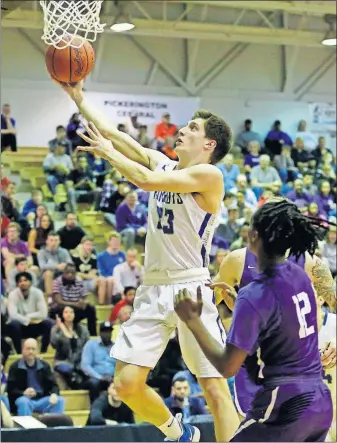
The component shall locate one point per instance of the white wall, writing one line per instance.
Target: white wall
(249, 87)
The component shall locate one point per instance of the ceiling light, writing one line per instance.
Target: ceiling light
(122, 22)
(330, 37)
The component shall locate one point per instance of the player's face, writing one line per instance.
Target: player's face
(253, 240)
(192, 138)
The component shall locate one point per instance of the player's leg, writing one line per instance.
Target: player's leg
(139, 345)
(215, 387)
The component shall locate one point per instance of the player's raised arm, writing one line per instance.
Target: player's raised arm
(199, 178)
(123, 143)
(322, 280)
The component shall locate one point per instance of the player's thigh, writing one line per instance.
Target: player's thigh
(143, 338)
(193, 356)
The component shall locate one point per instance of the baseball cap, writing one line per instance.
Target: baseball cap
(106, 326)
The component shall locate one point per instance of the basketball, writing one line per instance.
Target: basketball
(70, 65)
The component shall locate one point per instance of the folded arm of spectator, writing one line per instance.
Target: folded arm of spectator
(88, 359)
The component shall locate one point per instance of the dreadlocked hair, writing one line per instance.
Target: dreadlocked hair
(282, 227)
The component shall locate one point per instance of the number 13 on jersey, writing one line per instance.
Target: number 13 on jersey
(166, 219)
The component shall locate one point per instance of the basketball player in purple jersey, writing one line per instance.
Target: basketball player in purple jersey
(239, 268)
(276, 312)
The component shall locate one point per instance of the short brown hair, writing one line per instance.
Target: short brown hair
(14, 225)
(216, 129)
(114, 235)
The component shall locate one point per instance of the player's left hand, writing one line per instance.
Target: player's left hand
(186, 308)
(225, 291)
(328, 356)
(98, 144)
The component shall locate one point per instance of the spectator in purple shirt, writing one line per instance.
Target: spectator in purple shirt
(276, 138)
(252, 158)
(299, 196)
(131, 220)
(8, 130)
(12, 247)
(326, 200)
(75, 125)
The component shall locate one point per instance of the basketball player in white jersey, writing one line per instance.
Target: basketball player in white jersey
(184, 206)
(327, 335)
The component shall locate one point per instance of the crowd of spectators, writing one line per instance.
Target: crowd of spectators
(48, 273)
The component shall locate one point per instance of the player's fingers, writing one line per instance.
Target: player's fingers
(86, 148)
(178, 297)
(186, 294)
(85, 137)
(90, 132)
(94, 129)
(221, 285)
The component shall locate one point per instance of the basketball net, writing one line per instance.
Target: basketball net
(69, 23)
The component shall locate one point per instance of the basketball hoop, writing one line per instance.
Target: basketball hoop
(69, 23)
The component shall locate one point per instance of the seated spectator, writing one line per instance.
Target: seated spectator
(242, 241)
(27, 313)
(276, 138)
(240, 202)
(81, 185)
(109, 410)
(313, 211)
(127, 299)
(248, 136)
(61, 139)
(230, 230)
(181, 402)
(68, 339)
(9, 204)
(230, 172)
(21, 265)
(242, 186)
(309, 139)
(37, 237)
(57, 166)
(31, 205)
(252, 158)
(299, 196)
(4, 181)
(165, 133)
(71, 234)
(143, 138)
(308, 183)
(107, 261)
(264, 176)
(195, 388)
(31, 384)
(129, 273)
(319, 152)
(68, 290)
(8, 130)
(302, 158)
(124, 315)
(330, 249)
(326, 172)
(112, 198)
(99, 168)
(131, 220)
(228, 200)
(73, 127)
(12, 247)
(41, 210)
(215, 265)
(326, 200)
(96, 362)
(52, 260)
(85, 260)
(285, 165)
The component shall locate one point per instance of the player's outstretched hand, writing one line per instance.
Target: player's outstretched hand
(328, 356)
(186, 308)
(74, 90)
(98, 144)
(225, 291)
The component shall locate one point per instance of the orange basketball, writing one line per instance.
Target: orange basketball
(70, 65)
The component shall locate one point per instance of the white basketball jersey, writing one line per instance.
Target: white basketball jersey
(179, 233)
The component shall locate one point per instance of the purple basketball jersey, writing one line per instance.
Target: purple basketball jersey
(278, 314)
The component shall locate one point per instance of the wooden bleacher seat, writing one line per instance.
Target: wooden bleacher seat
(103, 312)
(76, 400)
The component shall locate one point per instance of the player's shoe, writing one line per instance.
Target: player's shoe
(190, 433)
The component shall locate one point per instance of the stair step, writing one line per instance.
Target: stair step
(76, 400)
(80, 418)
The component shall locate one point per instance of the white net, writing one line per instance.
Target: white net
(69, 23)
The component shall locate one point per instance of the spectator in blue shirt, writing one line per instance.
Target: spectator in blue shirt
(181, 402)
(31, 205)
(108, 259)
(96, 362)
(230, 172)
(131, 219)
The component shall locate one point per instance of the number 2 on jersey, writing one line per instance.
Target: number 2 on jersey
(165, 222)
(305, 330)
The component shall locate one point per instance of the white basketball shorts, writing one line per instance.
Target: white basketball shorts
(143, 339)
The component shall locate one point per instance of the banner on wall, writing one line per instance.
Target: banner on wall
(323, 116)
(148, 108)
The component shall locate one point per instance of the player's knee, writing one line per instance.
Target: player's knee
(216, 392)
(129, 381)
